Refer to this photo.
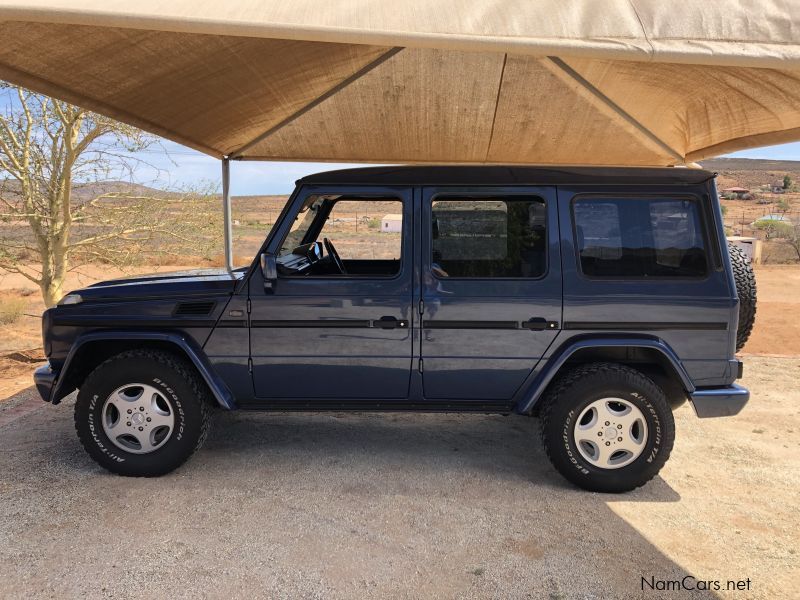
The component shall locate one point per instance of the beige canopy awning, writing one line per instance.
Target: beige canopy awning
(658, 82)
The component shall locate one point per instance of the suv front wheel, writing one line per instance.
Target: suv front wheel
(607, 427)
(142, 413)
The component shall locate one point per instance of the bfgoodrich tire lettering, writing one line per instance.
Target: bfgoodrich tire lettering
(572, 393)
(176, 382)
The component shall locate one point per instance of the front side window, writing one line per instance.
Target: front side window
(639, 237)
(497, 237)
(366, 229)
(335, 235)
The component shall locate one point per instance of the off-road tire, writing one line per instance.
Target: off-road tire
(746, 290)
(572, 392)
(187, 394)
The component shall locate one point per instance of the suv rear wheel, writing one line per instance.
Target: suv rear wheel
(745, 281)
(607, 427)
(142, 413)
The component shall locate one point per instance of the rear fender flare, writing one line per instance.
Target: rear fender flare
(554, 365)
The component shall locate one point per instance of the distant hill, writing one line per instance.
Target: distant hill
(87, 191)
(83, 192)
(744, 172)
(751, 173)
(750, 164)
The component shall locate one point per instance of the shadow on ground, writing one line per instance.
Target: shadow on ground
(333, 505)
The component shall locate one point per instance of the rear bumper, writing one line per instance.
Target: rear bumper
(719, 402)
(45, 379)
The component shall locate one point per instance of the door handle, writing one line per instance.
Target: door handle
(539, 324)
(390, 323)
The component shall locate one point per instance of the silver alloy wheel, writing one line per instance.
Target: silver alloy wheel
(137, 418)
(610, 433)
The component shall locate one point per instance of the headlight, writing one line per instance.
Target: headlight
(71, 299)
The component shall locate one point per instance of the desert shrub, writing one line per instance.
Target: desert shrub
(11, 309)
(772, 228)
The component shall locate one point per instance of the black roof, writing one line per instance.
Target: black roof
(498, 175)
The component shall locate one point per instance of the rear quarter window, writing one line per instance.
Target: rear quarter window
(640, 237)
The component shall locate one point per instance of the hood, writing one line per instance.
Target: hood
(198, 282)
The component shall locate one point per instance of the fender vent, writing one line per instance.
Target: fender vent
(196, 309)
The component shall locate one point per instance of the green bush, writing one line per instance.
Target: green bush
(772, 228)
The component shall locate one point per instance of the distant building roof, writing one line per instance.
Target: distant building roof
(393, 217)
(737, 190)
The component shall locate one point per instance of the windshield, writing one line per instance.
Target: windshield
(302, 223)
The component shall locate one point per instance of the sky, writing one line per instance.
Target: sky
(179, 166)
(172, 165)
(782, 152)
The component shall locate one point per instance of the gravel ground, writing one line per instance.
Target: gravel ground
(400, 505)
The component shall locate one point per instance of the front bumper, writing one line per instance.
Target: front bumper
(45, 379)
(719, 402)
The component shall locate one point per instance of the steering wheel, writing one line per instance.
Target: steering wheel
(334, 256)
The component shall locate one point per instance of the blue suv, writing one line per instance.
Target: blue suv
(597, 299)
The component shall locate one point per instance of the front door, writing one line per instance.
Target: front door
(491, 289)
(336, 323)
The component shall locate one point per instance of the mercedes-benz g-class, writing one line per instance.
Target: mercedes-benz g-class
(597, 299)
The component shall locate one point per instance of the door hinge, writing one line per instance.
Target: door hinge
(421, 365)
(421, 306)
(250, 365)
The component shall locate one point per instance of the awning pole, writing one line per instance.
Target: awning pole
(226, 213)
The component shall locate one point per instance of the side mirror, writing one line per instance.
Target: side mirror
(269, 269)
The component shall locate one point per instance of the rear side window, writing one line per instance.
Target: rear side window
(640, 237)
(488, 237)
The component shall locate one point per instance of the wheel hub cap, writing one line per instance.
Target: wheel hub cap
(610, 433)
(138, 418)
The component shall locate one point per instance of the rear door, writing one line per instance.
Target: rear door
(491, 289)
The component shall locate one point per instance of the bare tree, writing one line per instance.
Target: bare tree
(54, 158)
(791, 235)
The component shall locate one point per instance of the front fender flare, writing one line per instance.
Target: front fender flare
(536, 388)
(188, 346)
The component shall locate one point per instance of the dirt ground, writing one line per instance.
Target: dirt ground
(400, 505)
(21, 341)
(777, 329)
